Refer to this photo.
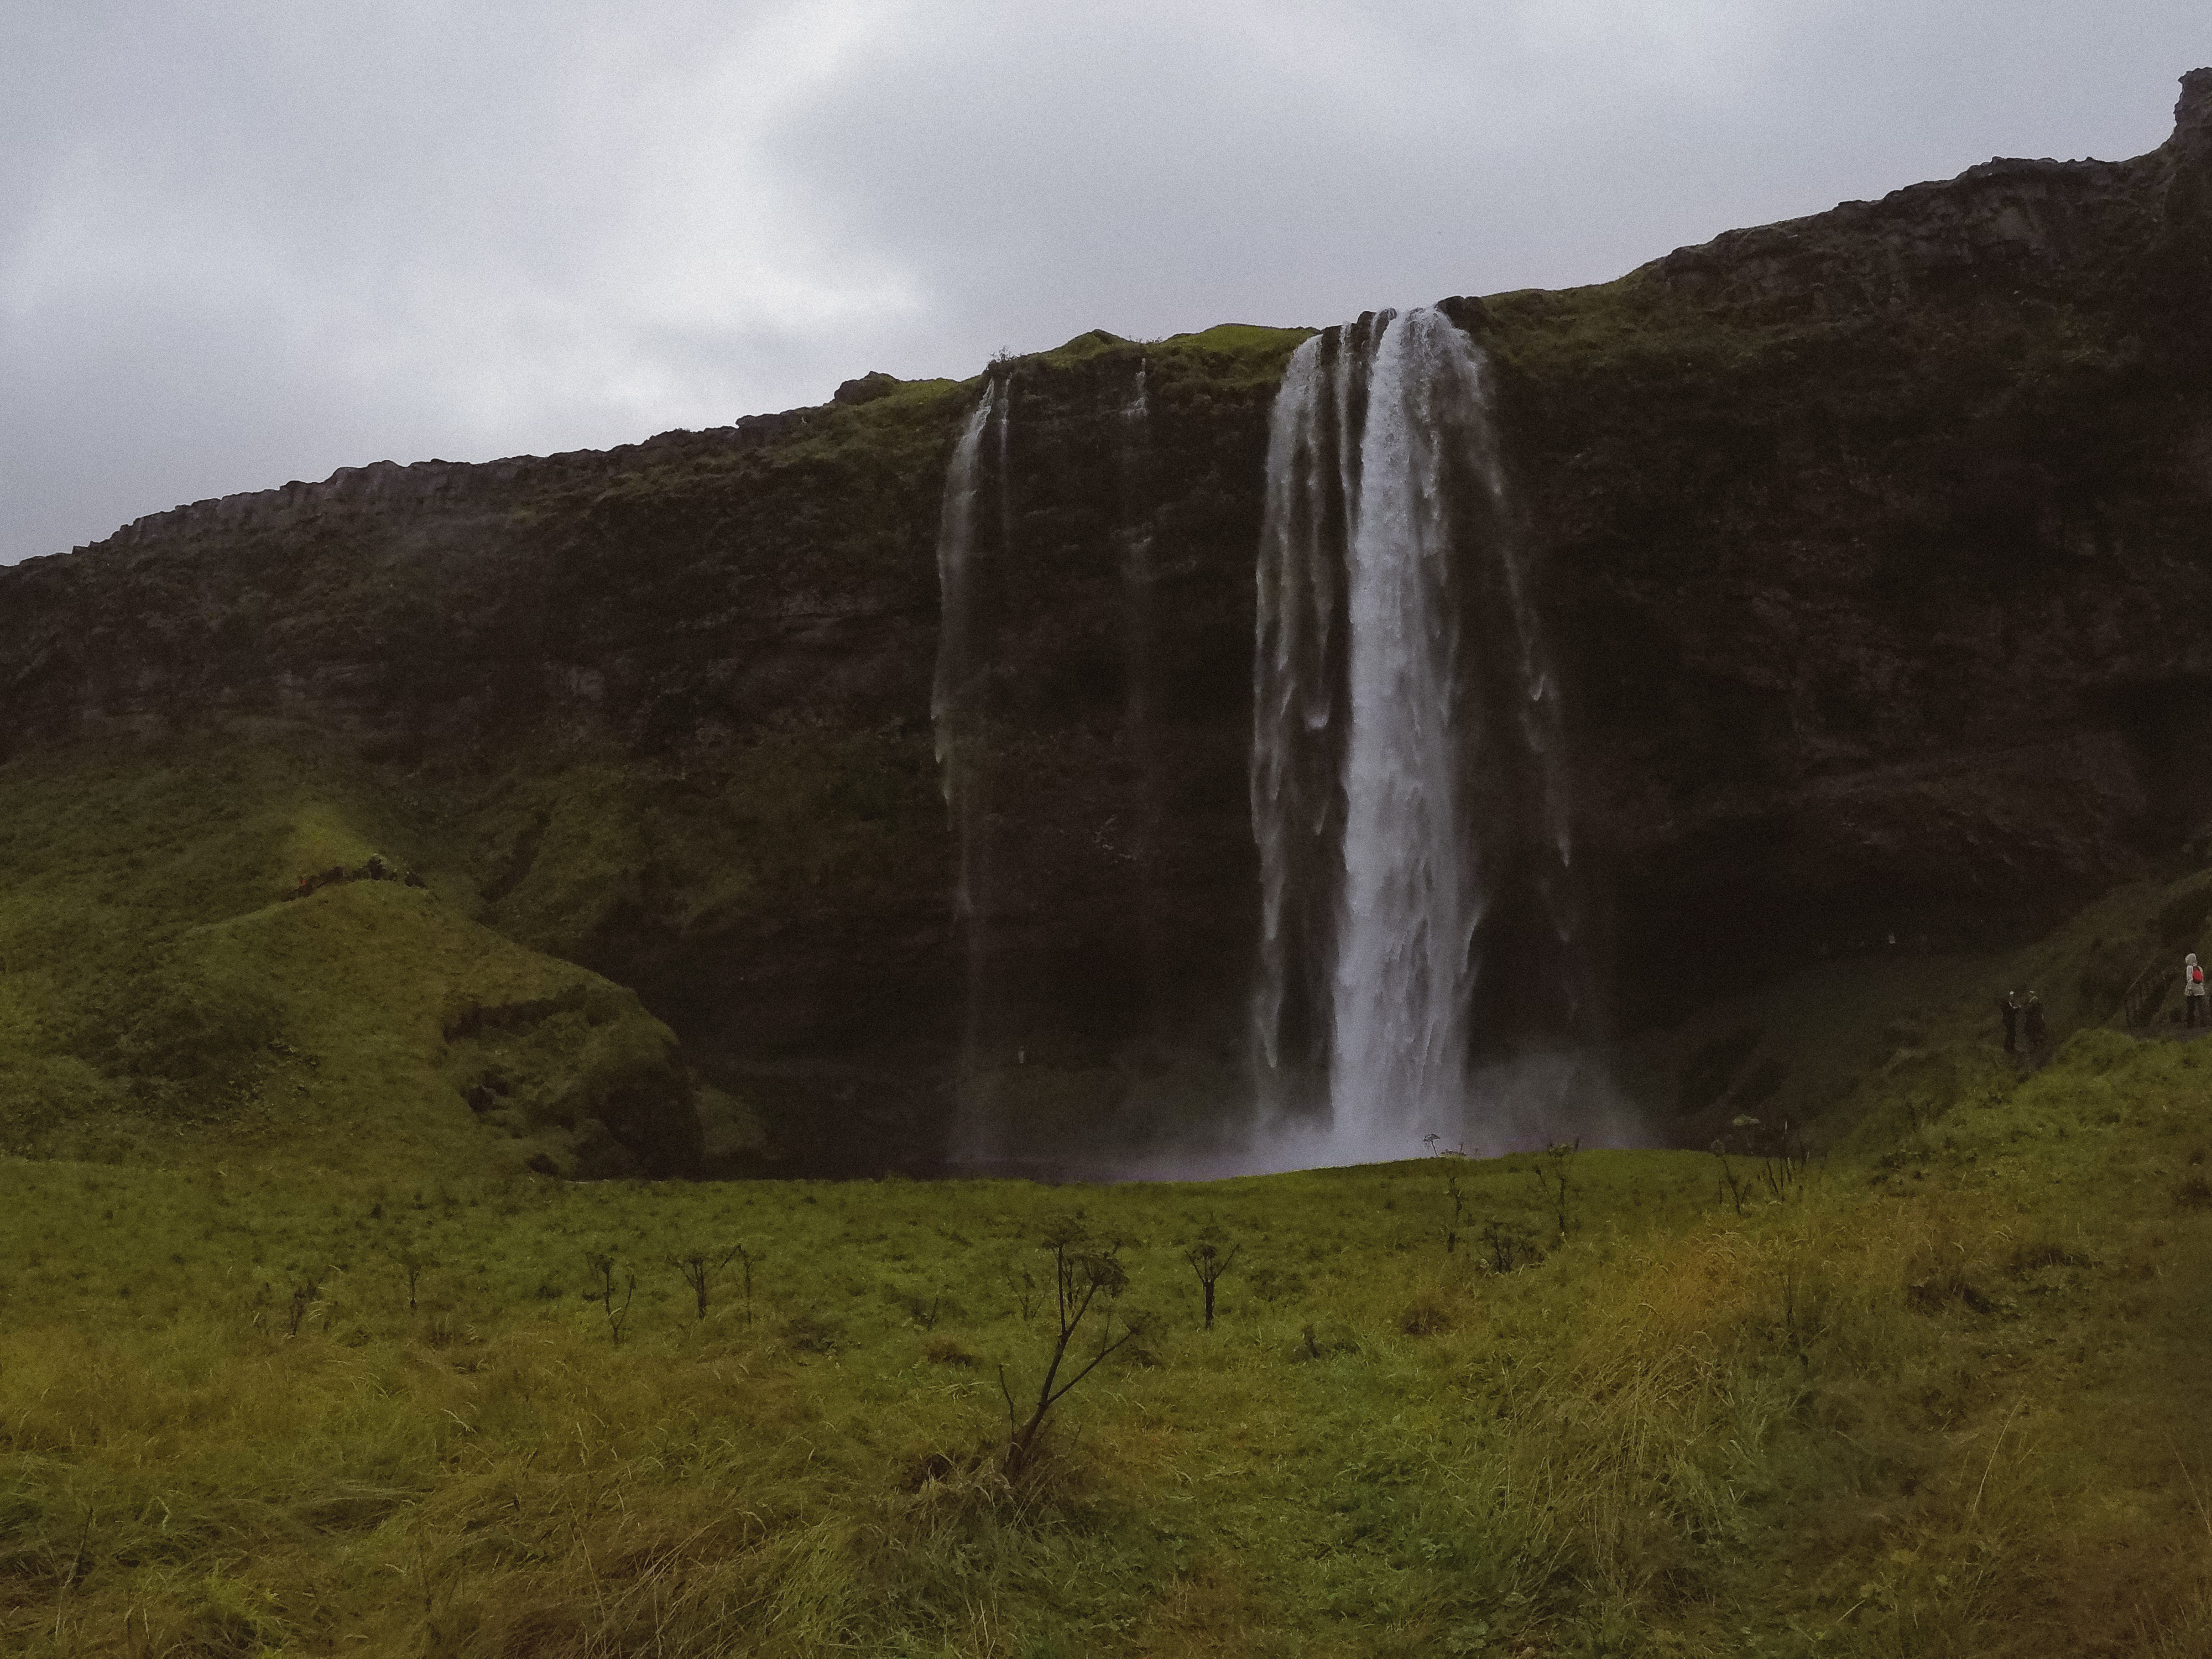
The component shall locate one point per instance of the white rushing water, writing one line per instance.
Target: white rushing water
(1294, 786)
(1394, 622)
(951, 693)
(1409, 903)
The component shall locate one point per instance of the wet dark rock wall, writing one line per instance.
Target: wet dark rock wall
(1114, 888)
(1880, 542)
(629, 675)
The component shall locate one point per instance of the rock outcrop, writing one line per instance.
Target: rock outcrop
(2022, 222)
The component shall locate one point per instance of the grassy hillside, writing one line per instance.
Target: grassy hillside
(162, 993)
(300, 1357)
(1938, 1398)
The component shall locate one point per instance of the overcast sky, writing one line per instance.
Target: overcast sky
(242, 243)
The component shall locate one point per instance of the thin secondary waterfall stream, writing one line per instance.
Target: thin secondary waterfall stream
(1407, 796)
(952, 698)
(955, 712)
(1003, 660)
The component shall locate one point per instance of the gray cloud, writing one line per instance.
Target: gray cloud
(246, 242)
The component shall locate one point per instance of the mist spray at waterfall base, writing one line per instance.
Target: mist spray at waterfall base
(1534, 1100)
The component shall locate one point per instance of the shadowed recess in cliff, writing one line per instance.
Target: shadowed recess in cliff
(1417, 946)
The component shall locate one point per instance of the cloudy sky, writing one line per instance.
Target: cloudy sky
(244, 242)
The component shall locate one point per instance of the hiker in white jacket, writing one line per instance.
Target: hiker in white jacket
(2192, 990)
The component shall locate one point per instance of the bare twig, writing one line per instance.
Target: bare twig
(1083, 1271)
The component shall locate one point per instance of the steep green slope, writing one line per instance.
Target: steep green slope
(1936, 1399)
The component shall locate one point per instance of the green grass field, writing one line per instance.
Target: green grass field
(299, 1358)
(1942, 1396)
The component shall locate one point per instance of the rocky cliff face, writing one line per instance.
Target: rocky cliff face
(675, 700)
(1880, 539)
(415, 604)
(550, 645)
(1874, 544)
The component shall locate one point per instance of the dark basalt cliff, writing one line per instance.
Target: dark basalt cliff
(1882, 543)
(676, 700)
(1875, 546)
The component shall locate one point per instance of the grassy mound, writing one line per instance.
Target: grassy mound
(163, 993)
(1933, 1398)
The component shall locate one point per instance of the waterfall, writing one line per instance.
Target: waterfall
(1134, 536)
(957, 711)
(1134, 526)
(1298, 671)
(952, 695)
(1408, 905)
(1003, 677)
(1407, 790)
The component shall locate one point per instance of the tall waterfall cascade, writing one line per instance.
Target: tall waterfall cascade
(1408, 796)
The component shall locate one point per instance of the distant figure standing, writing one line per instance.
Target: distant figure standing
(2192, 990)
(2031, 1024)
(2009, 1012)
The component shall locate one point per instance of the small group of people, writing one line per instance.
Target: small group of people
(2024, 1030)
(376, 869)
(2022, 1013)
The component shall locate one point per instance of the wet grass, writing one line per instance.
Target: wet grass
(1935, 1399)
